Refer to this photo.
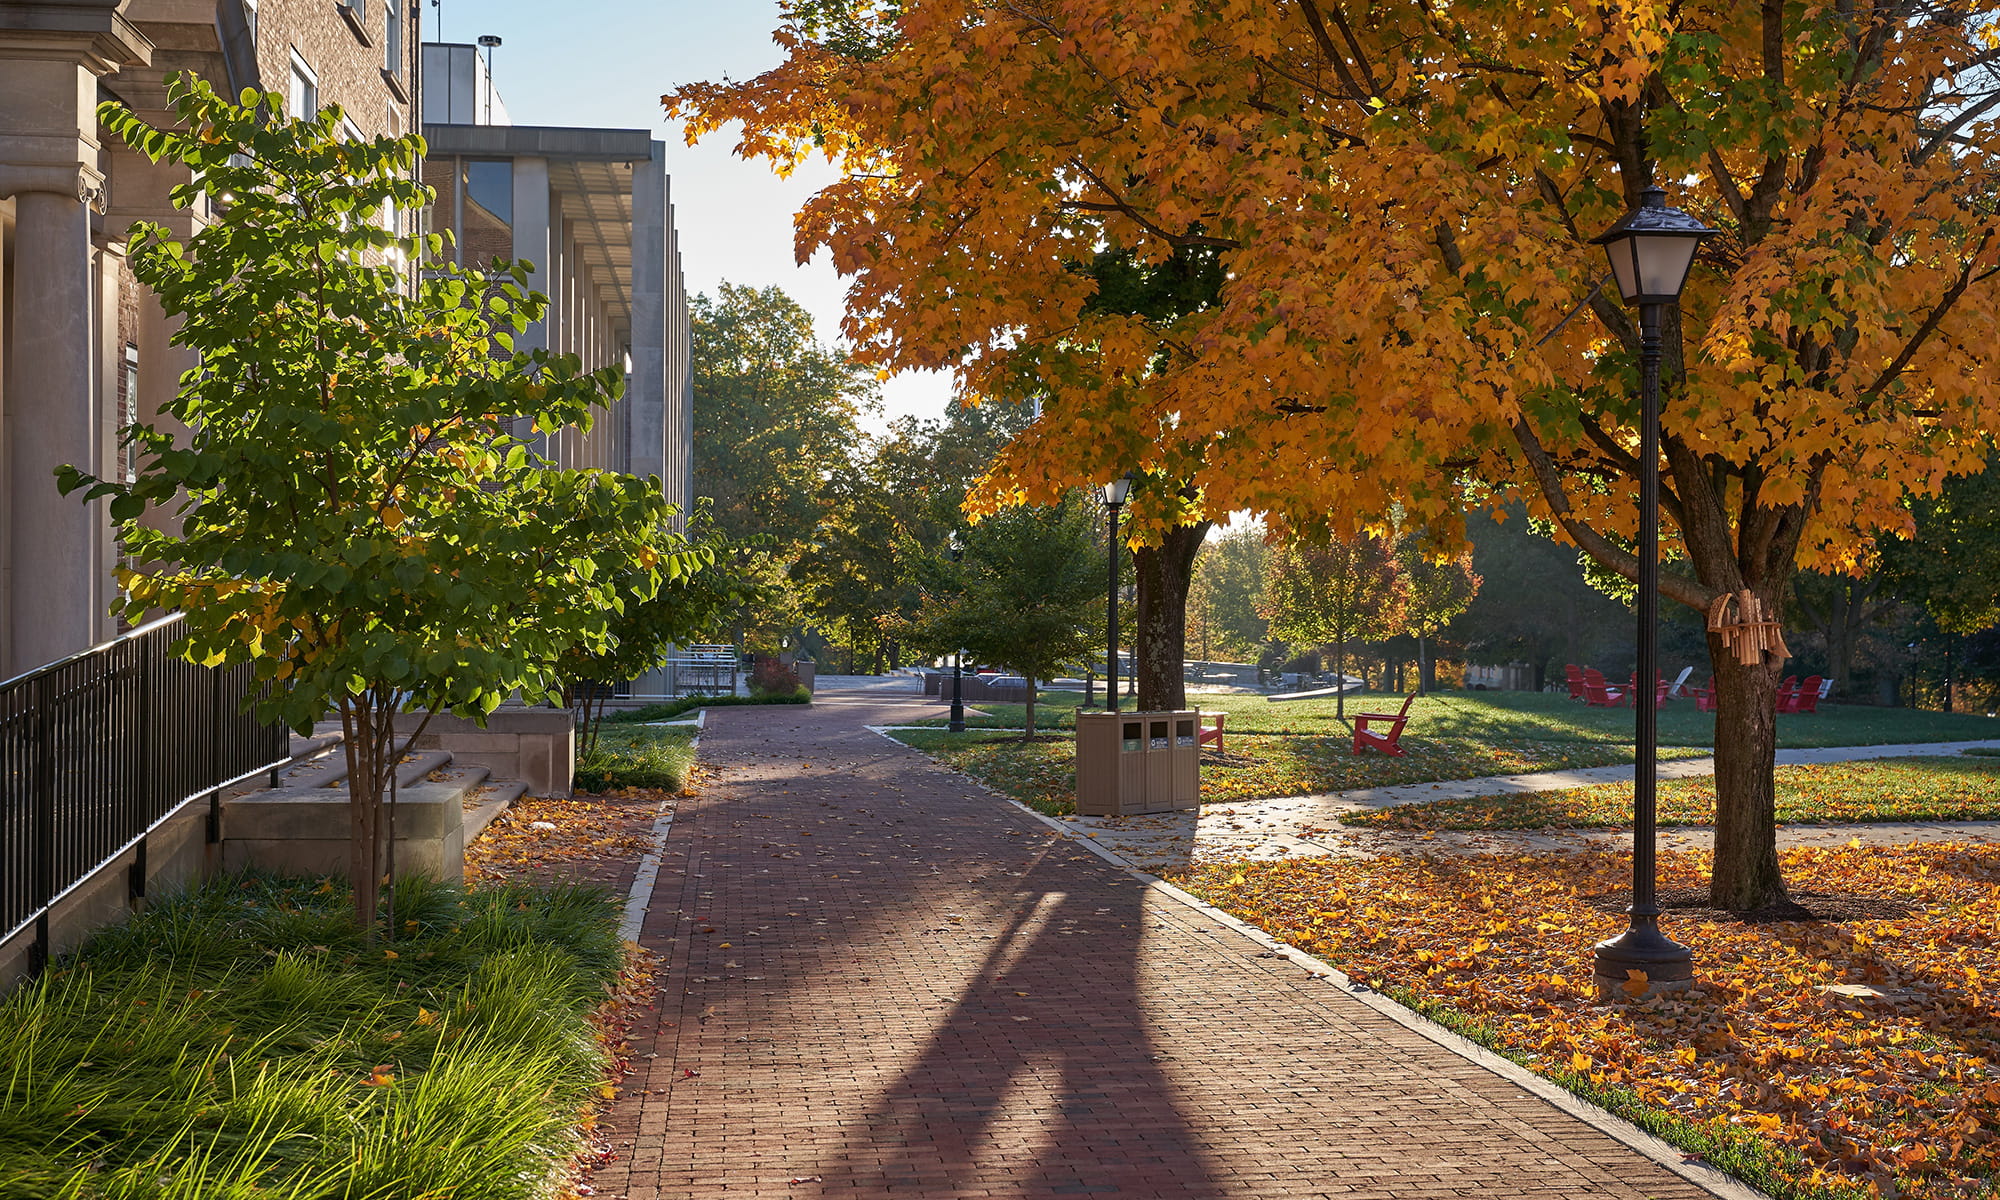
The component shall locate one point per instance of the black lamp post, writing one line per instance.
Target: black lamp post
(1650, 249)
(957, 656)
(1114, 498)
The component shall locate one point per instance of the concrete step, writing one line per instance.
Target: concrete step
(486, 802)
(330, 769)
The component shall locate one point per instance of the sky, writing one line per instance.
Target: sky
(605, 63)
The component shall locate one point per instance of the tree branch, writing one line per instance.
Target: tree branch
(1678, 587)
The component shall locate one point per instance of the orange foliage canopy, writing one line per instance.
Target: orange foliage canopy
(1400, 196)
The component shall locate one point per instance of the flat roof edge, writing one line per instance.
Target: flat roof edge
(542, 141)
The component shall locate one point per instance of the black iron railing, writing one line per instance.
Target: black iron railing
(97, 750)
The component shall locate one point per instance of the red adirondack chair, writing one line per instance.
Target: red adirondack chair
(1205, 734)
(1803, 698)
(1388, 742)
(1573, 675)
(1659, 690)
(1788, 694)
(1704, 696)
(1597, 693)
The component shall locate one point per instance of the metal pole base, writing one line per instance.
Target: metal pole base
(1667, 965)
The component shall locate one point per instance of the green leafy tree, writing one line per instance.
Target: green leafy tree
(1024, 595)
(861, 576)
(689, 606)
(1228, 586)
(353, 513)
(1327, 590)
(775, 413)
(1951, 567)
(1435, 591)
(1535, 604)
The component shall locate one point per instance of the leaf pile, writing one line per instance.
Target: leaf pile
(1891, 789)
(594, 838)
(1805, 1091)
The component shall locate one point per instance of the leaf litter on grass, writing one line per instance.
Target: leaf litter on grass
(1888, 789)
(1887, 1086)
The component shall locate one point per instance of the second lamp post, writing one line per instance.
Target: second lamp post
(1115, 493)
(957, 656)
(1650, 249)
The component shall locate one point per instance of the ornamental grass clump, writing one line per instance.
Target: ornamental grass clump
(247, 1040)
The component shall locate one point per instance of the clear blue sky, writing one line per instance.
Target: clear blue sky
(606, 63)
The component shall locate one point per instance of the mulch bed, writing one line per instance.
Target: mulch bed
(594, 839)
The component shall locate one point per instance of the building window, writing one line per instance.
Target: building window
(304, 96)
(392, 37)
(250, 19)
(128, 413)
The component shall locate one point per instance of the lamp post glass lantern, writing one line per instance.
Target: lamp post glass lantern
(1115, 493)
(1651, 249)
(957, 656)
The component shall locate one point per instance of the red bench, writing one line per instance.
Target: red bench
(1387, 742)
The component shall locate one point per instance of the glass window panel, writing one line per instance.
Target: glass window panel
(489, 211)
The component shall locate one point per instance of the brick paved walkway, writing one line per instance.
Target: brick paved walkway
(882, 981)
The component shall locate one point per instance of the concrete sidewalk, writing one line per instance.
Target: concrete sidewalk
(879, 980)
(1305, 826)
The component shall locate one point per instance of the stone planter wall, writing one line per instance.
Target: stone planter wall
(534, 745)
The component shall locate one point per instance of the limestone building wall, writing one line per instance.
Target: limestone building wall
(82, 350)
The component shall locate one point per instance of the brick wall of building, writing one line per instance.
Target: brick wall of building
(347, 62)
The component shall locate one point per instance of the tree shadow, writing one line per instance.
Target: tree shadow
(1043, 1075)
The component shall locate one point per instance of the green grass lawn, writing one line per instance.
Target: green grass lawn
(637, 756)
(1888, 789)
(1257, 767)
(1502, 717)
(244, 1040)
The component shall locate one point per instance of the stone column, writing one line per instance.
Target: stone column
(645, 388)
(50, 389)
(52, 56)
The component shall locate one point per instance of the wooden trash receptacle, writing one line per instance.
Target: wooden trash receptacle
(1141, 762)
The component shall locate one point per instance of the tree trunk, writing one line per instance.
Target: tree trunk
(1159, 641)
(364, 805)
(1745, 875)
(1029, 736)
(1340, 679)
(1426, 678)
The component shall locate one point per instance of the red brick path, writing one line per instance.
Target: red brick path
(883, 982)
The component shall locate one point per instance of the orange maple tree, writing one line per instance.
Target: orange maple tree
(1409, 315)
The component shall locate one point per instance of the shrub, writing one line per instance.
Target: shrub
(774, 678)
(668, 710)
(643, 758)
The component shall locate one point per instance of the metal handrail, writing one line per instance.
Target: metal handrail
(130, 635)
(100, 748)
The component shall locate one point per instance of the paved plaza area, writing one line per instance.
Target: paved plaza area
(880, 979)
